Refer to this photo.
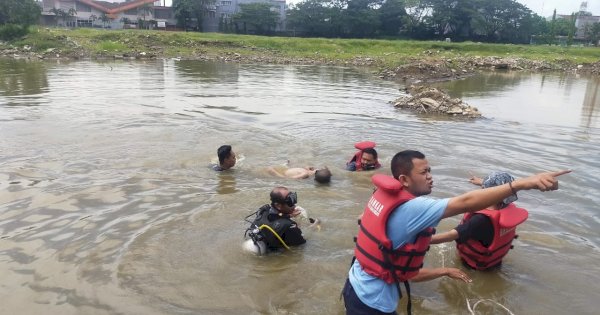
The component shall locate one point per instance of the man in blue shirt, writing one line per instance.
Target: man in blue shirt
(367, 294)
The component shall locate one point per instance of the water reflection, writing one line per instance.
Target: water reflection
(208, 72)
(22, 78)
(589, 111)
(226, 182)
(563, 99)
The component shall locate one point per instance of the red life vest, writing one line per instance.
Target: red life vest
(357, 157)
(374, 250)
(505, 223)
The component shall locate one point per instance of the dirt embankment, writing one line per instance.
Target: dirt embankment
(431, 70)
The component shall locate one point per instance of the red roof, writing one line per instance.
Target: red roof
(114, 8)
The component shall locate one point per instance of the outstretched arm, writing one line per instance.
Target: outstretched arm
(482, 198)
(426, 274)
(444, 237)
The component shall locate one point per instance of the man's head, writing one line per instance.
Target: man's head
(323, 175)
(368, 159)
(226, 157)
(413, 171)
(283, 200)
(497, 179)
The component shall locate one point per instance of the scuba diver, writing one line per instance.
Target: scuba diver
(365, 159)
(484, 237)
(273, 227)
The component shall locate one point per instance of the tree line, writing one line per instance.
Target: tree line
(16, 16)
(501, 21)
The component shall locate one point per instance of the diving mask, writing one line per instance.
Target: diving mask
(291, 199)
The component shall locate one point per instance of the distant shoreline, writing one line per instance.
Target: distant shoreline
(405, 60)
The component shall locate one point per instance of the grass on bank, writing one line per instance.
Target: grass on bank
(191, 44)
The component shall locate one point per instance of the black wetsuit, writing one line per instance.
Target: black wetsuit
(283, 225)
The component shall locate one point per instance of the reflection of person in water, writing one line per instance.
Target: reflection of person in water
(273, 226)
(365, 159)
(322, 175)
(226, 183)
(226, 158)
(483, 238)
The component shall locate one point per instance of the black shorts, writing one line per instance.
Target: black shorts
(354, 306)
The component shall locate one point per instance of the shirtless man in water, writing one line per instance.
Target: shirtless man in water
(322, 175)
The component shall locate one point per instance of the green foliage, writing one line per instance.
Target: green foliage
(189, 13)
(12, 31)
(19, 12)
(592, 33)
(110, 46)
(317, 18)
(392, 15)
(256, 16)
(503, 21)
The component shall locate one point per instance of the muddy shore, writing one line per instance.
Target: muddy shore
(427, 66)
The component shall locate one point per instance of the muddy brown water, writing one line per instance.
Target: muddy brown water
(107, 204)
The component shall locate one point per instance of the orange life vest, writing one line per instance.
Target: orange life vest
(505, 223)
(357, 157)
(374, 250)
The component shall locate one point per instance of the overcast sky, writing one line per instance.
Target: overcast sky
(545, 7)
(541, 7)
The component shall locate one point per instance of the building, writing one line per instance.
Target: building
(117, 14)
(583, 20)
(114, 14)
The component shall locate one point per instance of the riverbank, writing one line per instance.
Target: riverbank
(394, 59)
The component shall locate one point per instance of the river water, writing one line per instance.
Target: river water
(107, 204)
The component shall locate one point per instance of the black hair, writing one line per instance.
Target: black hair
(277, 196)
(370, 151)
(323, 176)
(402, 162)
(223, 152)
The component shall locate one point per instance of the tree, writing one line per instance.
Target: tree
(71, 14)
(58, 13)
(146, 9)
(189, 11)
(19, 12)
(93, 18)
(105, 19)
(319, 18)
(592, 33)
(391, 16)
(258, 16)
(362, 18)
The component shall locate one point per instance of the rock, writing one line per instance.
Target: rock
(430, 102)
(455, 110)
